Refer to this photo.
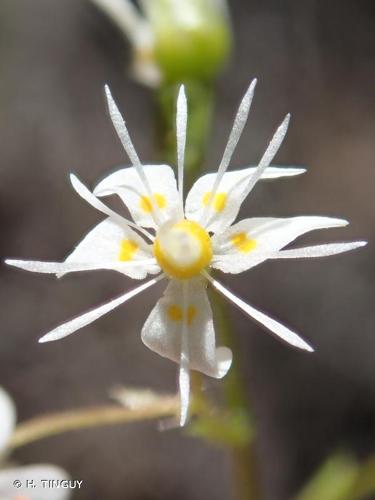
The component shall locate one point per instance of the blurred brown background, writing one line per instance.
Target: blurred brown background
(312, 58)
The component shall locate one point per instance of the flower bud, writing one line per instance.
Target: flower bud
(173, 40)
(192, 37)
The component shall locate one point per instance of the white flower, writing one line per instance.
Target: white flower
(30, 477)
(189, 240)
(137, 29)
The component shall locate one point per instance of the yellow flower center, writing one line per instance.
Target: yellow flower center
(182, 248)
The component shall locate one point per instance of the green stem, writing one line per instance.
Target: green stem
(245, 468)
(233, 384)
(58, 423)
(245, 472)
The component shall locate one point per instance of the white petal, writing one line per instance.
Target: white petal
(252, 241)
(85, 319)
(109, 245)
(232, 190)
(162, 334)
(125, 15)
(34, 483)
(126, 183)
(108, 242)
(181, 124)
(138, 30)
(271, 324)
(92, 200)
(123, 134)
(7, 419)
(319, 250)
(61, 268)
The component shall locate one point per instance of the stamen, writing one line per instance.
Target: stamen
(85, 319)
(269, 154)
(269, 323)
(92, 200)
(123, 134)
(181, 125)
(236, 132)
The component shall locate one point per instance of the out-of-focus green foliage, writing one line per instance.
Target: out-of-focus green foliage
(232, 429)
(333, 480)
(341, 477)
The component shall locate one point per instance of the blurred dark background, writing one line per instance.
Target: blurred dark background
(312, 58)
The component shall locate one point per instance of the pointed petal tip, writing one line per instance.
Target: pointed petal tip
(73, 178)
(253, 83)
(183, 419)
(75, 182)
(300, 343)
(49, 337)
(342, 222)
(250, 92)
(283, 127)
(303, 345)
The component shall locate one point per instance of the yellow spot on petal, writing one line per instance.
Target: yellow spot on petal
(191, 313)
(243, 243)
(128, 248)
(146, 204)
(219, 201)
(175, 313)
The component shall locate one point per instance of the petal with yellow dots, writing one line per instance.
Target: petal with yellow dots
(145, 208)
(252, 241)
(221, 209)
(111, 242)
(163, 329)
